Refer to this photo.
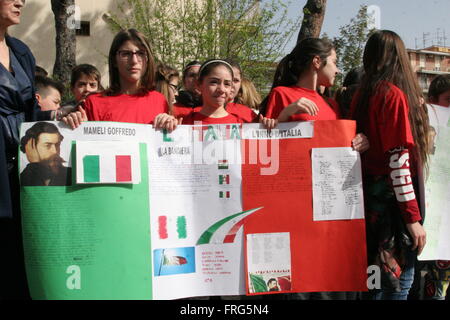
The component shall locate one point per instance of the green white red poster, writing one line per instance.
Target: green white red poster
(121, 211)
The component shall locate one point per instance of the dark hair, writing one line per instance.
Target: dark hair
(187, 67)
(298, 61)
(43, 83)
(386, 60)
(211, 64)
(295, 63)
(354, 76)
(234, 64)
(271, 280)
(87, 70)
(344, 95)
(148, 79)
(438, 86)
(39, 71)
(36, 130)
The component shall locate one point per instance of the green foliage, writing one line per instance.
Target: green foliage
(247, 31)
(350, 43)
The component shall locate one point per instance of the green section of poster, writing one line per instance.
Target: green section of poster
(88, 242)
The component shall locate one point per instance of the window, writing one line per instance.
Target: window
(422, 61)
(85, 29)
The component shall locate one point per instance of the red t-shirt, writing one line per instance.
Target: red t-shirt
(181, 111)
(281, 97)
(197, 116)
(241, 111)
(388, 128)
(126, 108)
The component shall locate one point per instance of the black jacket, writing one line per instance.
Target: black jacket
(13, 111)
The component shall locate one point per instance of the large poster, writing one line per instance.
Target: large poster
(122, 211)
(437, 187)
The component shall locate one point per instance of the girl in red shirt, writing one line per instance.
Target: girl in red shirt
(131, 96)
(294, 96)
(388, 110)
(215, 84)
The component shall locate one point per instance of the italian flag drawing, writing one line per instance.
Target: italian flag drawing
(107, 162)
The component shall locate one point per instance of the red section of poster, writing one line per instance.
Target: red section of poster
(325, 255)
(123, 168)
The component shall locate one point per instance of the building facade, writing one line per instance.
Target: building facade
(428, 63)
(94, 34)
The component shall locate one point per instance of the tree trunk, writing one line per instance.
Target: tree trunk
(65, 39)
(314, 13)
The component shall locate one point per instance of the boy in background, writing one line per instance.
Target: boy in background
(48, 93)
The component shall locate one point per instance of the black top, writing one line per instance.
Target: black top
(35, 174)
(187, 99)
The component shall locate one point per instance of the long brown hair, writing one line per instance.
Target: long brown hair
(148, 79)
(385, 60)
(298, 61)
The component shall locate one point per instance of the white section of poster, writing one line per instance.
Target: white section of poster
(195, 174)
(337, 184)
(285, 130)
(437, 188)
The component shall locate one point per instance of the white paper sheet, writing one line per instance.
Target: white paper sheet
(337, 184)
(269, 262)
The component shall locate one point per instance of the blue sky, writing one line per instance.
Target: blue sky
(409, 18)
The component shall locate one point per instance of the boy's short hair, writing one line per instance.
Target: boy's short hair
(39, 71)
(42, 83)
(85, 69)
(438, 86)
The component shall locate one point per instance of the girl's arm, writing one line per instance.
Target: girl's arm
(360, 142)
(400, 179)
(302, 105)
(166, 121)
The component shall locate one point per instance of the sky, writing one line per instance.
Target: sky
(408, 18)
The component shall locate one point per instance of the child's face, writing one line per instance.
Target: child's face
(83, 86)
(50, 101)
(236, 83)
(216, 87)
(443, 99)
(327, 73)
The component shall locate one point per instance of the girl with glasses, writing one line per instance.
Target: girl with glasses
(131, 96)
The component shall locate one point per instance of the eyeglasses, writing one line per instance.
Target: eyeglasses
(173, 87)
(127, 55)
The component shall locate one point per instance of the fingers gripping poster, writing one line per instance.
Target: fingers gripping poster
(122, 211)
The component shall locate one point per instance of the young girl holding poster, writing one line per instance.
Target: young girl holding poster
(388, 110)
(215, 84)
(294, 96)
(131, 96)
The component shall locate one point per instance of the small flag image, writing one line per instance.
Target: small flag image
(224, 179)
(224, 194)
(173, 261)
(223, 164)
(107, 162)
